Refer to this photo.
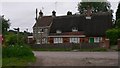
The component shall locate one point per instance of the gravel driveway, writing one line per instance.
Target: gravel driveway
(76, 58)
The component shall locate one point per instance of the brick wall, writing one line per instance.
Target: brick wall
(107, 43)
(118, 43)
(68, 45)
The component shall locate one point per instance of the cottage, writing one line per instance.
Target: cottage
(88, 28)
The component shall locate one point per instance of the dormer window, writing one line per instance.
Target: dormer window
(88, 17)
(58, 31)
(74, 29)
(41, 31)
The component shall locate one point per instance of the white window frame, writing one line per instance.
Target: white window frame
(88, 17)
(74, 40)
(58, 31)
(44, 40)
(58, 40)
(74, 29)
(97, 39)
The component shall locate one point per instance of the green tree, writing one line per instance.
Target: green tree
(95, 6)
(14, 39)
(118, 12)
(113, 35)
(5, 24)
(118, 23)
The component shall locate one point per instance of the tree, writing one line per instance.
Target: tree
(118, 23)
(5, 24)
(118, 12)
(95, 6)
(113, 35)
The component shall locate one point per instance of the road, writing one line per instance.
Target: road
(76, 58)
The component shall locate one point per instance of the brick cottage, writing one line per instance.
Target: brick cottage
(72, 28)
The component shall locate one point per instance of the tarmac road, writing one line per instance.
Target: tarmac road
(46, 58)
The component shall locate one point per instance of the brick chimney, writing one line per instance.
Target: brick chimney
(88, 12)
(40, 13)
(53, 13)
(69, 13)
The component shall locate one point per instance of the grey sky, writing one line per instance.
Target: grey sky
(22, 14)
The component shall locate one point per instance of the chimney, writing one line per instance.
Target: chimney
(36, 14)
(53, 13)
(89, 12)
(40, 13)
(69, 13)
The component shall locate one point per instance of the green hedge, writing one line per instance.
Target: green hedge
(16, 51)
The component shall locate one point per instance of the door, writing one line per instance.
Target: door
(91, 40)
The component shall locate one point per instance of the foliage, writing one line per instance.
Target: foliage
(18, 51)
(113, 35)
(5, 24)
(95, 6)
(70, 49)
(118, 12)
(94, 49)
(118, 23)
(12, 39)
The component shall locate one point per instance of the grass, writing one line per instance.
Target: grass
(52, 49)
(17, 56)
(94, 49)
(13, 61)
(69, 49)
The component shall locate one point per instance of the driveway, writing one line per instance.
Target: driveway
(76, 58)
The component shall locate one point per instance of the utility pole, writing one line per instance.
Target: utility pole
(17, 34)
(36, 26)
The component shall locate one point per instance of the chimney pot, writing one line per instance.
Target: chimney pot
(53, 13)
(41, 13)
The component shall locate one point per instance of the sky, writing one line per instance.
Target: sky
(22, 13)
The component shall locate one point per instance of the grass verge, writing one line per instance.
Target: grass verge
(13, 61)
(69, 49)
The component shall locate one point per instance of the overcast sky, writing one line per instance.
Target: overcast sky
(22, 14)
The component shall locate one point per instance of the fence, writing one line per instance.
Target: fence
(81, 45)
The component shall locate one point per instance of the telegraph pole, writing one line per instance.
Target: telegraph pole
(17, 34)
(36, 26)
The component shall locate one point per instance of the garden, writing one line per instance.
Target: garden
(15, 50)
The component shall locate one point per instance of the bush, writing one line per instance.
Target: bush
(113, 35)
(13, 39)
(17, 51)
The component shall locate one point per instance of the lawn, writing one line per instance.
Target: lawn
(17, 61)
(17, 55)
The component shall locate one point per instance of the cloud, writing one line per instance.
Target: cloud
(22, 14)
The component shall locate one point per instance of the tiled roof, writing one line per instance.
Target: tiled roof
(44, 21)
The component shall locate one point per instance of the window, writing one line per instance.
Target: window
(74, 40)
(58, 31)
(88, 17)
(74, 29)
(38, 41)
(41, 30)
(97, 39)
(44, 40)
(58, 40)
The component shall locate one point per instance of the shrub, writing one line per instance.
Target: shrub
(13, 39)
(113, 35)
(17, 51)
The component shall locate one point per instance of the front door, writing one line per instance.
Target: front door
(91, 40)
